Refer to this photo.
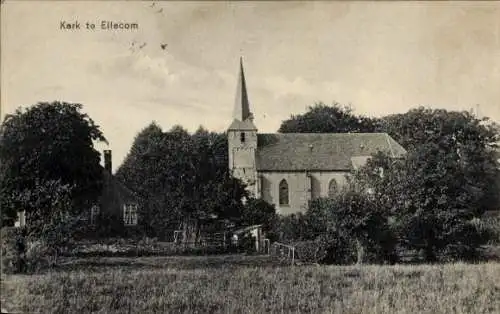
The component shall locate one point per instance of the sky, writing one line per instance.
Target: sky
(379, 57)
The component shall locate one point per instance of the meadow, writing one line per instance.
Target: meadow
(251, 284)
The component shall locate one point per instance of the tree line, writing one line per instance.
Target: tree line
(431, 201)
(184, 182)
(48, 164)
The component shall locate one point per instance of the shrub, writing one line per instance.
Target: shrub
(340, 250)
(22, 253)
(489, 226)
(292, 228)
(13, 249)
(473, 234)
(310, 251)
(39, 255)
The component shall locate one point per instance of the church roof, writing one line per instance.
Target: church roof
(359, 161)
(321, 151)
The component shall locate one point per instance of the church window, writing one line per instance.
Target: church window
(130, 214)
(332, 188)
(242, 137)
(283, 193)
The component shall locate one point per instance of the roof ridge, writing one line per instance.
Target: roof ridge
(338, 133)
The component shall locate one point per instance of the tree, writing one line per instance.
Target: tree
(449, 177)
(467, 143)
(431, 203)
(45, 143)
(259, 212)
(141, 172)
(353, 214)
(321, 118)
(183, 179)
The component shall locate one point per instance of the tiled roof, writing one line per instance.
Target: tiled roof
(359, 161)
(320, 151)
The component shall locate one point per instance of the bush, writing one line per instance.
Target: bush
(24, 254)
(13, 250)
(340, 250)
(310, 251)
(292, 228)
(330, 248)
(39, 256)
(471, 235)
(489, 226)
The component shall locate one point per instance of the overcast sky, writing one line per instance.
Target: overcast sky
(380, 57)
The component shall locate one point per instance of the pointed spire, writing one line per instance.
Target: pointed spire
(241, 106)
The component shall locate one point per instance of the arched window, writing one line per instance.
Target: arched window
(332, 188)
(283, 197)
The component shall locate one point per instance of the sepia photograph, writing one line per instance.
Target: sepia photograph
(250, 156)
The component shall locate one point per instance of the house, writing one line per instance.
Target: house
(288, 170)
(116, 200)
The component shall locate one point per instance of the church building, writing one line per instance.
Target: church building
(290, 169)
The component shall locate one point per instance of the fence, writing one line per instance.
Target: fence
(284, 252)
(206, 240)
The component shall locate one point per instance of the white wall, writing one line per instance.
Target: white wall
(301, 187)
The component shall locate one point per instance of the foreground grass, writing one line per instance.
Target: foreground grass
(233, 285)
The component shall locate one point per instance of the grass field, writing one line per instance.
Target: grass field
(245, 284)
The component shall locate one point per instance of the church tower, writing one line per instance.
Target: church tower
(242, 138)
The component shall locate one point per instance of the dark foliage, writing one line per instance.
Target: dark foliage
(336, 118)
(182, 178)
(48, 142)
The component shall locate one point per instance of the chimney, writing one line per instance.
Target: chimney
(107, 160)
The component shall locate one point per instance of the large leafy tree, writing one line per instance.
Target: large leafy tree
(48, 142)
(430, 200)
(322, 118)
(182, 177)
(159, 168)
(463, 145)
(141, 171)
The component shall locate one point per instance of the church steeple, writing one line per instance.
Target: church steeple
(242, 106)
(242, 138)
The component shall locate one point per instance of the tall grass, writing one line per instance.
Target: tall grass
(165, 285)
